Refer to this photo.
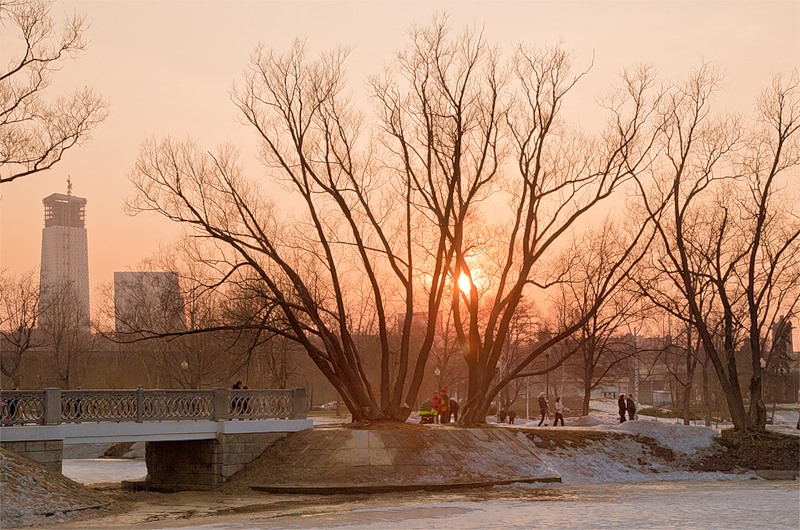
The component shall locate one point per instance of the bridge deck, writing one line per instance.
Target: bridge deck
(160, 431)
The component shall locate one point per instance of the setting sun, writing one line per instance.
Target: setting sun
(464, 283)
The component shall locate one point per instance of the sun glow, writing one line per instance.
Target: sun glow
(464, 283)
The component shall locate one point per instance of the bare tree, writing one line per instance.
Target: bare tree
(395, 207)
(561, 175)
(730, 242)
(35, 132)
(351, 230)
(599, 345)
(66, 333)
(19, 312)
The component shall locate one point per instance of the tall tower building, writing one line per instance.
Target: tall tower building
(65, 255)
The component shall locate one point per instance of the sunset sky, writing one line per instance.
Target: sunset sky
(167, 67)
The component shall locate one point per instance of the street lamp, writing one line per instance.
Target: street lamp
(547, 376)
(437, 373)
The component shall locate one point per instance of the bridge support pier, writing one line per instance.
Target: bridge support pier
(47, 452)
(203, 464)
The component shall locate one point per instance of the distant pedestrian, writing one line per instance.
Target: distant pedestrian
(501, 416)
(445, 406)
(236, 403)
(559, 410)
(511, 417)
(436, 403)
(246, 401)
(622, 407)
(631, 407)
(542, 409)
(454, 407)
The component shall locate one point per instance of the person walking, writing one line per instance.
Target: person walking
(511, 417)
(559, 409)
(445, 406)
(436, 403)
(630, 405)
(622, 407)
(501, 416)
(542, 409)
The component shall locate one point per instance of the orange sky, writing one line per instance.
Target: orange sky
(167, 67)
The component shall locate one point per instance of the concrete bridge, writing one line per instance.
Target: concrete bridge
(195, 439)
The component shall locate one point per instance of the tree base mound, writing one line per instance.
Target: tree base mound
(393, 457)
(758, 451)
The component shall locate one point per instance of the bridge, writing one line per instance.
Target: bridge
(195, 439)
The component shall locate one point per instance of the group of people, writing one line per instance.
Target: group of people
(544, 409)
(626, 405)
(441, 408)
(503, 417)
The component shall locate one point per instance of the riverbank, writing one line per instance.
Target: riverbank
(637, 452)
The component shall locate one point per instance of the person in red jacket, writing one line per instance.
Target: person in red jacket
(436, 403)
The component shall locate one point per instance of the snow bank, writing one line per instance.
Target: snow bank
(681, 439)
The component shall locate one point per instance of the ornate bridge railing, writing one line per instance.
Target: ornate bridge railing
(52, 406)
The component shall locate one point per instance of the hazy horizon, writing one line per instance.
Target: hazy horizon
(167, 67)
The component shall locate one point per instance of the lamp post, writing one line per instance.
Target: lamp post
(547, 376)
(527, 398)
(437, 373)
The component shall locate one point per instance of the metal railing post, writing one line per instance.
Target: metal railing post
(52, 406)
(139, 404)
(221, 407)
(299, 405)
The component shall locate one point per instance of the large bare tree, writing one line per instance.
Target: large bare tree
(390, 213)
(36, 130)
(349, 230)
(729, 246)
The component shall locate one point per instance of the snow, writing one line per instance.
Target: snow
(682, 439)
(94, 470)
(727, 505)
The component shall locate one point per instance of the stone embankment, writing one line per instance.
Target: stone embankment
(31, 493)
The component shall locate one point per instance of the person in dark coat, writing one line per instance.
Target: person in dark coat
(501, 416)
(542, 409)
(454, 406)
(631, 407)
(622, 408)
(511, 417)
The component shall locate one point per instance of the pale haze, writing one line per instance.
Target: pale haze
(167, 68)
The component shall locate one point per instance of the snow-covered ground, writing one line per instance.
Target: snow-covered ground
(605, 412)
(93, 470)
(728, 505)
(598, 491)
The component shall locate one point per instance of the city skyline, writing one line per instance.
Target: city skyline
(176, 81)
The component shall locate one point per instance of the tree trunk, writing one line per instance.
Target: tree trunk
(706, 396)
(587, 395)
(757, 415)
(687, 396)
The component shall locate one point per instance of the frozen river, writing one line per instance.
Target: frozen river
(729, 504)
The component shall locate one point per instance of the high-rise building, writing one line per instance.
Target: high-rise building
(147, 303)
(65, 255)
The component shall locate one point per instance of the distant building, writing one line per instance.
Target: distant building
(148, 303)
(65, 255)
